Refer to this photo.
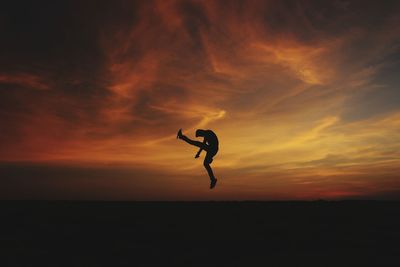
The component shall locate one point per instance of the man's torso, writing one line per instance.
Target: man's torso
(212, 139)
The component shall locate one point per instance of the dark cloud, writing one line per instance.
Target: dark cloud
(41, 181)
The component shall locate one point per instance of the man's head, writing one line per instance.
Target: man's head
(200, 132)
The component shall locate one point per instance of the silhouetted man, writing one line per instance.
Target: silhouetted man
(209, 144)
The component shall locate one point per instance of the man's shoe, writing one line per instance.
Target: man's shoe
(213, 183)
(179, 134)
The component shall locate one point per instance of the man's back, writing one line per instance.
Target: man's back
(211, 138)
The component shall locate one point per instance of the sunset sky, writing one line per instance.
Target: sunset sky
(303, 95)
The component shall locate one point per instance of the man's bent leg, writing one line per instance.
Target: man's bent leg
(213, 181)
(193, 142)
(209, 170)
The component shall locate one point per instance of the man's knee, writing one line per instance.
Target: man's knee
(207, 162)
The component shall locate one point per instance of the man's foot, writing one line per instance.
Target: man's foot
(179, 135)
(213, 183)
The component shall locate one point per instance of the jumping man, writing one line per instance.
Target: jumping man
(210, 145)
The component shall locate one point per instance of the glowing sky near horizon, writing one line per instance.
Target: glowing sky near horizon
(304, 96)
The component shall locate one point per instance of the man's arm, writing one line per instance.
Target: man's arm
(198, 153)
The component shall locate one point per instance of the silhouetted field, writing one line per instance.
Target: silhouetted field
(345, 233)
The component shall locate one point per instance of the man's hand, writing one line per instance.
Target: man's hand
(198, 153)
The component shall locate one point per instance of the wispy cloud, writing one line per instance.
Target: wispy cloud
(26, 80)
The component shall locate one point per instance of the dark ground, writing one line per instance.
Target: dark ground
(345, 233)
